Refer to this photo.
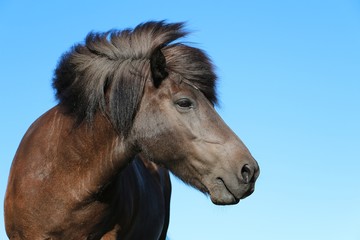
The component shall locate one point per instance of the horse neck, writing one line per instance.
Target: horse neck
(95, 148)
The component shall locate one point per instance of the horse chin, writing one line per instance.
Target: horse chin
(221, 195)
(224, 199)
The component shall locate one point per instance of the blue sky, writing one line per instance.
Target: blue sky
(289, 87)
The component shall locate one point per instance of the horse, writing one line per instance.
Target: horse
(133, 104)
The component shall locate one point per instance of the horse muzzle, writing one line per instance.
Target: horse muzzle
(229, 188)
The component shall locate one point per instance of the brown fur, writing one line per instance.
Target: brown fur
(129, 102)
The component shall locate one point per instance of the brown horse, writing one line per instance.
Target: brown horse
(129, 102)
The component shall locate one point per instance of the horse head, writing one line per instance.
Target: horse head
(177, 126)
(159, 96)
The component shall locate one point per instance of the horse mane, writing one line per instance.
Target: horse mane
(107, 72)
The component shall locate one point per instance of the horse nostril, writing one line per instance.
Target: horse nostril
(246, 173)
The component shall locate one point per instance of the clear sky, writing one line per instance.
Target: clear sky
(289, 87)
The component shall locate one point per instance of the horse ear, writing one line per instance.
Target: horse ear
(158, 67)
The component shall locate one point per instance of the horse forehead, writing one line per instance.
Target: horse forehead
(167, 89)
(176, 83)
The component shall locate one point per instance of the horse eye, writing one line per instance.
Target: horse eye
(184, 103)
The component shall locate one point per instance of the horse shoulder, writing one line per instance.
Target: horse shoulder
(50, 189)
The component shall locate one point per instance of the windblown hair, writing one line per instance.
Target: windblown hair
(107, 72)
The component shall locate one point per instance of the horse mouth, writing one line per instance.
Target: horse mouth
(222, 194)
